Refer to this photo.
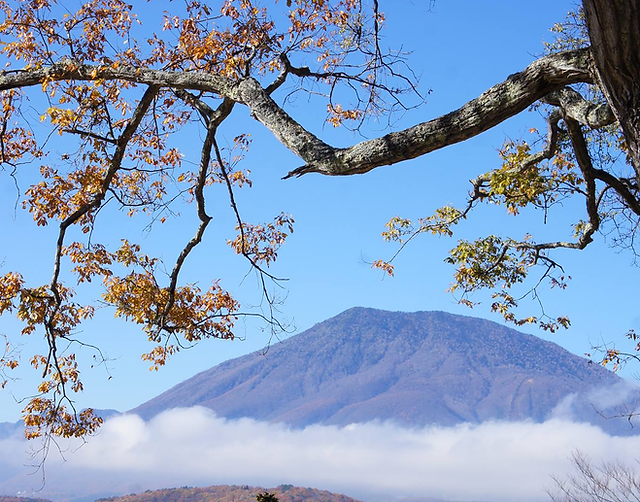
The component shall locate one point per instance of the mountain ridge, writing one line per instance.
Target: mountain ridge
(416, 369)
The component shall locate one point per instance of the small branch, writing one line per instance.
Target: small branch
(203, 108)
(214, 119)
(282, 76)
(91, 135)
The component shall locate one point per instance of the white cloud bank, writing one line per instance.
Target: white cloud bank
(496, 461)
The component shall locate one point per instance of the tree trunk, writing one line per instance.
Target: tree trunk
(614, 30)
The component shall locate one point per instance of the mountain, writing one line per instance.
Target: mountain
(224, 493)
(415, 369)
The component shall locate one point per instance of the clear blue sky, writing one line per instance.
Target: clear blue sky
(460, 48)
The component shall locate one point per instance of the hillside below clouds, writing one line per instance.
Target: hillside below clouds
(225, 493)
(415, 369)
(222, 493)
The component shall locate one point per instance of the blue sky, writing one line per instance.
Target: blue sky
(460, 48)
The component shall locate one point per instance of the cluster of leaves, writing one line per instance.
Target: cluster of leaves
(570, 33)
(17, 142)
(492, 262)
(337, 115)
(402, 231)
(185, 312)
(499, 264)
(539, 185)
(260, 243)
(56, 415)
(36, 307)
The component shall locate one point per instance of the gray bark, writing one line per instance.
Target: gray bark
(500, 102)
(585, 112)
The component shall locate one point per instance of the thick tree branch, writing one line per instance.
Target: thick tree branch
(495, 105)
(620, 187)
(68, 69)
(576, 107)
(247, 91)
(492, 107)
(586, 167)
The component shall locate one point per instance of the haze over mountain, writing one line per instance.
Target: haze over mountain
(415, 369)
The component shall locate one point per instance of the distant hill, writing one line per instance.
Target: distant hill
(413, 368)
(224, 493)
(9, 429)
(7, 498)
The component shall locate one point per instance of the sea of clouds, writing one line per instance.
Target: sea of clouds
(493, 461)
